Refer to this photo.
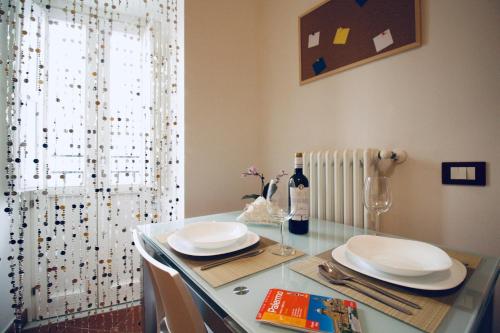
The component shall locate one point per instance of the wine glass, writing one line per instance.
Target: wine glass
(377, 196)
(274, 203)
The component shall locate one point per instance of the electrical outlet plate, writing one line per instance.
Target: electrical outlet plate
(463, 173)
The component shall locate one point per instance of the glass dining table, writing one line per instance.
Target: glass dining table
(226, 310)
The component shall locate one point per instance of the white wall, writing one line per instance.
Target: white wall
(439, 102)
(222, 110)
(6, 312)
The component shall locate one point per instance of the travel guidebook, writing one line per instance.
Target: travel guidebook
(305, 312)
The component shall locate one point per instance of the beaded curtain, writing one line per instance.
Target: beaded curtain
(93, 143)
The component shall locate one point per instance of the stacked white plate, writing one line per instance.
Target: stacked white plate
(212, 238)
(403, 262)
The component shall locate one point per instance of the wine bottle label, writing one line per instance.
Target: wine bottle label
(299, 202)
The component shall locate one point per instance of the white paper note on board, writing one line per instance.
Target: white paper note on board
(383, 40)
(313, 40)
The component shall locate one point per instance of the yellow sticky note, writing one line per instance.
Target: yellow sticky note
(341, 36)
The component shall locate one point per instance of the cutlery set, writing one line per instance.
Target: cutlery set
(333, 274)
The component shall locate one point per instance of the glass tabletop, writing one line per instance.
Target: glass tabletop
(323, 235)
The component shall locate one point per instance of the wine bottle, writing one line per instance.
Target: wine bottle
(298, 199)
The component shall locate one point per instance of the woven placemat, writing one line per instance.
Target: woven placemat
(435, 304)
(235, 270)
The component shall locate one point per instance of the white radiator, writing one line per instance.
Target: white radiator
(336, 183)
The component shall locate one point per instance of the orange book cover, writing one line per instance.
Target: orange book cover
(306, 312)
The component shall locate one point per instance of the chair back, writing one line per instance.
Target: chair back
(179, 309)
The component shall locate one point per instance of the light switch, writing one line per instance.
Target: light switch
(471, 173)
(463, 173)
(458, 173)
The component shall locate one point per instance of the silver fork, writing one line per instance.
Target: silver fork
(323, 270)
(339, 274)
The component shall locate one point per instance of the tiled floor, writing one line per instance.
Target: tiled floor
(124, 321)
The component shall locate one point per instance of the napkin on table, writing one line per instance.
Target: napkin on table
(255, 212)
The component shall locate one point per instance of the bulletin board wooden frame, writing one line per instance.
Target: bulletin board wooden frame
(402, 17)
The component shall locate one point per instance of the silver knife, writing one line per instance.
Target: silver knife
(224, 261)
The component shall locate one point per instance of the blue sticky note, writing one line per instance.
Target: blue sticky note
(319, 65)
(361, 2)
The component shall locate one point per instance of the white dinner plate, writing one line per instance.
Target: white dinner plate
(213, 235)
(181, 245)
(398, 256)
(436, 281)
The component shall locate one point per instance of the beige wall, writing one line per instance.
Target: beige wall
(440, 102)
(222, 113)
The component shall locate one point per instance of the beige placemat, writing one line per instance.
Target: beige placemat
(435, 304)
(235, 270)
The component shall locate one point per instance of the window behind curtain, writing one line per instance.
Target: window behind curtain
(65, 104)
(69, 118)
(129, 107)
(94, 146)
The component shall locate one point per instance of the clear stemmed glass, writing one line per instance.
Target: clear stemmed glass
(274, 203)
(377, 196)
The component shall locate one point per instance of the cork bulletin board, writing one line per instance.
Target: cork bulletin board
(337, 35)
